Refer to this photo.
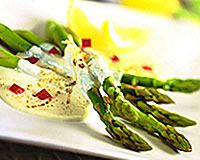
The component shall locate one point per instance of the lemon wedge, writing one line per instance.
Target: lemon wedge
(107, 38)
(117, 44)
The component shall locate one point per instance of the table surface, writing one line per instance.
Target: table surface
(16, 151)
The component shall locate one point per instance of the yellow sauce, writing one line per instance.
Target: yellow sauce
(67, 102)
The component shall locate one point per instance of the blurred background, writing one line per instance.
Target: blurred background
(189, 9)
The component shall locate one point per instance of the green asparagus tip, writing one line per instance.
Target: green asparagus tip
(121, 135)
(178, 140)
(148, 94)
(56, 33)
(162, 115)
(134, 142)
(186, 86)
(181, 121)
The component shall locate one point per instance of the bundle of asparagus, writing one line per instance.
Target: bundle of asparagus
(126, 101)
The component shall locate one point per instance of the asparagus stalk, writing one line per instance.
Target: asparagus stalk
(124, 109)
(57, 34)
(20, 45)
(24, 41)
(162, 115)
(13, 40)
(30, 37)
(148, 94)
(7, 59)
(118, 131)
(177, 85)
(36, 40)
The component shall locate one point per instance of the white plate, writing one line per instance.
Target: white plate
(175, 43)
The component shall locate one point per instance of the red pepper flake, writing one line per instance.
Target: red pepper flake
(86, 42)
(43, 94)
(147, 68)
(115, 59)
(108, 100)
(54, 50)
(32, 60)
(16, 89)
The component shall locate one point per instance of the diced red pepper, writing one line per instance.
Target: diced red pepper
(32, 60)
(147, 68)
(115, 59)
(54, 50)
(16, 89)
(86, 42)
(43, 94)
(108, 99)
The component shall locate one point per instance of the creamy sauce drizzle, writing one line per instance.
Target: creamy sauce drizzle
(68, 102)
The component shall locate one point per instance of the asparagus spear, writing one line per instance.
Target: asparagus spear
(57, 34)
(20, 45)
(7, 59)
(178, 85)
(139, 96)
(36, 40)
(118, 131)
(24, 41)
(13, 40)
(30, 37)
(148, 94)
(162, 115)
(123, 108)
